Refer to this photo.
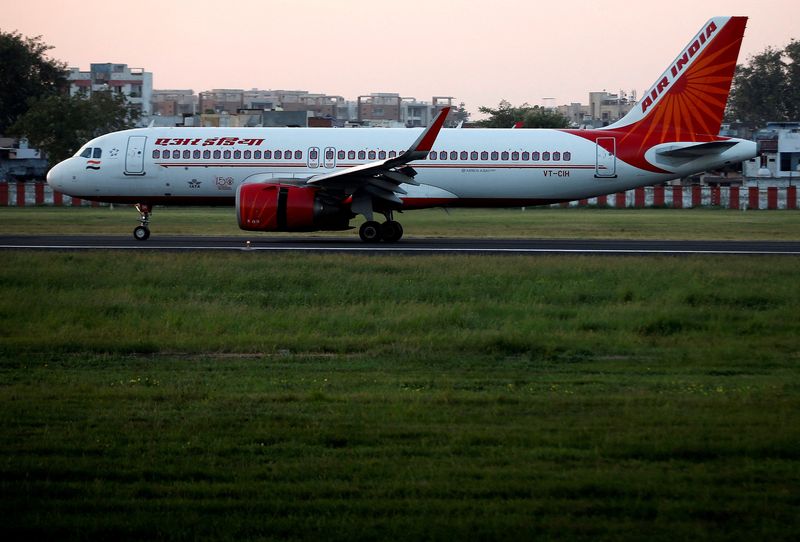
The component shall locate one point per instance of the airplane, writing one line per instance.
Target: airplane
(312, 179)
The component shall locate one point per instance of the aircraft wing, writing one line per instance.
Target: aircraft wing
(381, 180)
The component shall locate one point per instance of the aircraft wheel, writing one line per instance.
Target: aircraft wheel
(370, 232)
(141, 233)
(391, 231)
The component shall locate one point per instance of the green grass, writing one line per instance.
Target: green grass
(262, 396)
(516, 223)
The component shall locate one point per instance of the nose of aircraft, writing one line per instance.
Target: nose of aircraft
(56, 176)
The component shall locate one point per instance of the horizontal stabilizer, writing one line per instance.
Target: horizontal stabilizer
(696, 150)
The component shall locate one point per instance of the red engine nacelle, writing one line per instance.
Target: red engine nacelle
(281, 207)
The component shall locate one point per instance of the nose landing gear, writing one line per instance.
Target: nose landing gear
(142, 232)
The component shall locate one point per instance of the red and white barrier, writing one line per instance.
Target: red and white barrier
(687, 197)
(22, 194)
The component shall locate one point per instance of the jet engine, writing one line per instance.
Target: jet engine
(284, 207)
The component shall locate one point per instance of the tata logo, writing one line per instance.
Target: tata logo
(677, 68)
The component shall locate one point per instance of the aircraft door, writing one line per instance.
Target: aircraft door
(330, 157)
(313, 157)
(134, 158)
(606, 164)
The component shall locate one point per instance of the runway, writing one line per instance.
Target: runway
(406, 246)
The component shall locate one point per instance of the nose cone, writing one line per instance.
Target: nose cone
(56, 177)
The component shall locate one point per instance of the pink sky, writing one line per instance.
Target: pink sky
(477, 51)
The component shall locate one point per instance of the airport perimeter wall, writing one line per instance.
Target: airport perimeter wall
(21, 194)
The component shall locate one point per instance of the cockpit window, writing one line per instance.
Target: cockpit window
(98, 152)
(87, 153)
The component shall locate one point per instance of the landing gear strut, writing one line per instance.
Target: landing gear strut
(374, 232)
(142, 232)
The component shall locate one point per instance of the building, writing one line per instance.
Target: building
(603, 109)
(379, 109)
(174, 102)
(778, 163)
(221, 100)
(135, 83)
(18, 162)
(389, 109)
(177, 107)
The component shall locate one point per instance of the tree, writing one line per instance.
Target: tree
(457, 115)
(59, 125)
(766, 88)
(792, 53)
(25, 73)
(506, 116)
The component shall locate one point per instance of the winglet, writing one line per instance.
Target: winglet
(424, 142)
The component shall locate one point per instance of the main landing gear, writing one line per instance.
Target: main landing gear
(375, 232)
(142, 232)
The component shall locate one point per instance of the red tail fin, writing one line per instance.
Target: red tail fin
(687, 102)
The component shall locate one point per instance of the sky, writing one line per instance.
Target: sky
(476, 51)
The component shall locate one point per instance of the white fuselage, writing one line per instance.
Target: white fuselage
(480, 167)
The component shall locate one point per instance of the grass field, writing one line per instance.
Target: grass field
(261, 396)
(530, 223)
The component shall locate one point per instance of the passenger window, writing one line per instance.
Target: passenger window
(217, 155)
(362, 155)
(556, 155)
(495, 155)
(381, 155)
(298, 155)
(237, 154)
(546, 156)
(371, 155)
(98, 152)
(156, 153)
(278, 155)
(453, 155)
(87, 153)
(526, 155)
(392, 154)
(206, 154)
(176, 154)
(433, 155)
(484, 155)
(351, 155)
(226, 155)
(464, 155)
(535, 156)
(187, 154)
(196, 154)
(267, 155)
(473, 155)
(515, 155)
(313, 154)
(287, 155)
(340, 155)
(567, 156)
(329, 154)
(504, 155)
